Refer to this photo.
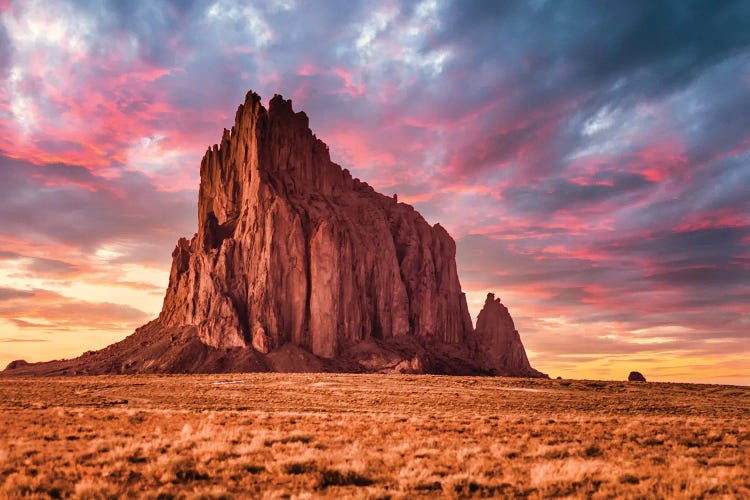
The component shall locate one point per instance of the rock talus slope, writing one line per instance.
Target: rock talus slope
(297, 266)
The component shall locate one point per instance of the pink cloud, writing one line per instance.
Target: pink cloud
(351, 87)
(717, 219)
(663, 159)
(48, 310)
(358, 151)
(308, 69)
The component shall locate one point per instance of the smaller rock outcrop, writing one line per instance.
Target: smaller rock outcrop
(498, 344)
(636, 377)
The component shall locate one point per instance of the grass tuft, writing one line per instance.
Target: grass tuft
(593, 451)
(300, 467)
(332, 477)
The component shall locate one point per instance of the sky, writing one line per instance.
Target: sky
(591, 159)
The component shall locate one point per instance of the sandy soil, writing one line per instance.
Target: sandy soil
(369, 436)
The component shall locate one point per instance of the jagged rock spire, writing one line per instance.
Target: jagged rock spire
(499, 346)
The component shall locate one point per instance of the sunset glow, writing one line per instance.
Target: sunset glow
(596, 179)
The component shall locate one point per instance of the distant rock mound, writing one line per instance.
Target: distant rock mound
(297, 266)
(18, 363)
(636, 377)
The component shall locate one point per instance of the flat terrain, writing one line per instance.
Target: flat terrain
(369, 436)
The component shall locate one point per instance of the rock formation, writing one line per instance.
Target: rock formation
(636, 377)
(499, 345)
(293, 257)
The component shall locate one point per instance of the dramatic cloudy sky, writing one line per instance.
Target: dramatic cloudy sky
(592, 159)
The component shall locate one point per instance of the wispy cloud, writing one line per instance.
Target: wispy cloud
(22, 340)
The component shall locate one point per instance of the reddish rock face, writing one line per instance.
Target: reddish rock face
(291, 246)
(296, 266)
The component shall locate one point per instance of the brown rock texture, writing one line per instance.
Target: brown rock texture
(293, 255)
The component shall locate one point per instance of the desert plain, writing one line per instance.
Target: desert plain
(369, 436)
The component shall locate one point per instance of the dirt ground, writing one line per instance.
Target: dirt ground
(369, 436)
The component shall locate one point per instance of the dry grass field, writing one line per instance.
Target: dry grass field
(369, 436)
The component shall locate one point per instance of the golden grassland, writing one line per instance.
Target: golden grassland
(369, 436)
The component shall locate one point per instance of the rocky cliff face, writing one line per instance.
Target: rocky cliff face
(293, 253)
(291, 248)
